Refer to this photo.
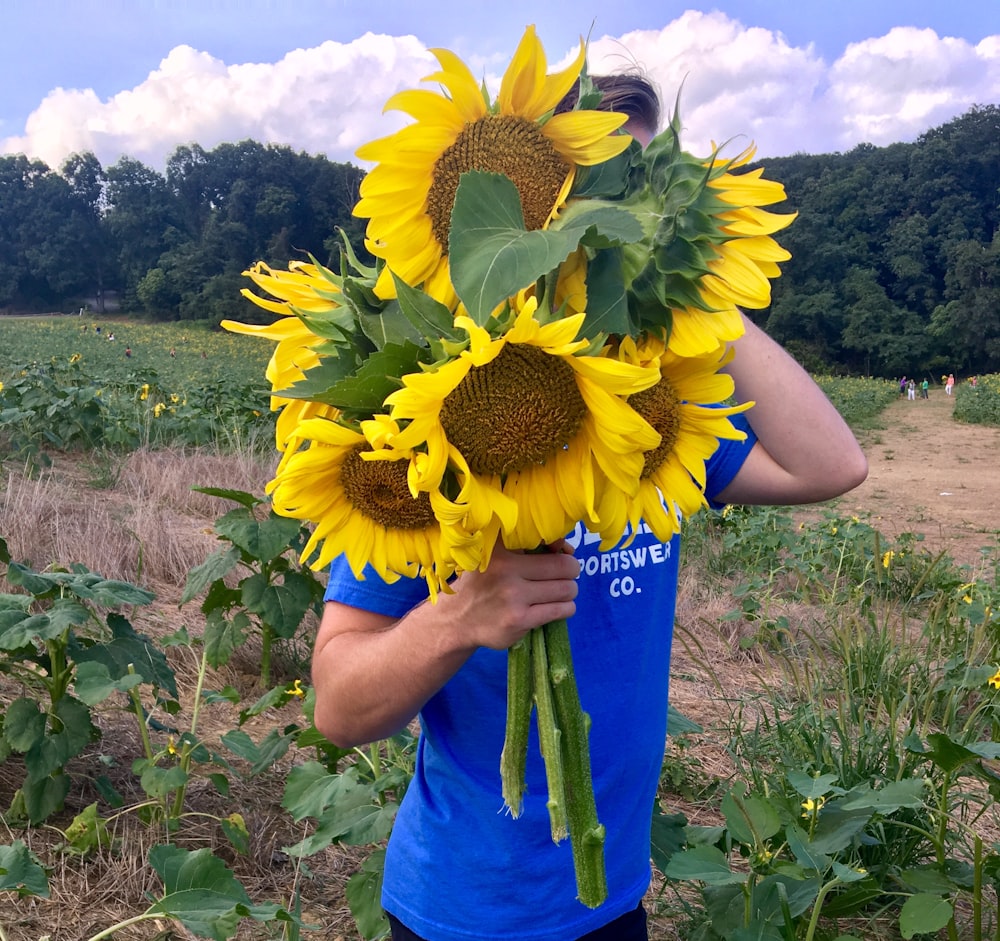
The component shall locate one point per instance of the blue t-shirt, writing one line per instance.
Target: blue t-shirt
(458, 866)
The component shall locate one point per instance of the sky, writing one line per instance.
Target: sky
(141, 77)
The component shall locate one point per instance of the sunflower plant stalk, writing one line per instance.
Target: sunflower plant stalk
(539, 343)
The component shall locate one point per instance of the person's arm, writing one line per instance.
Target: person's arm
(805, 451)
(372, 673)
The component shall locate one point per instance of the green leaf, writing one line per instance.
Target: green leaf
(237, 496)
(159, 782)
(223, 636)
(261, 757)
(666, 837)
(110, 593)
(803, 851)
(811, 787)
(750, 819)
(87, 833)
(389, 326)
(126, 649)
(362, 393)
(4, 552)
(219, 564)
(490, 253)
(23, 724)
(605, 180)
(364, 897)
(888, 799)
(703, 864)
(430, 317)
(263, 540)
(281, 606)
(235, 829)
(924, 914)
(93, 683)
(30, 580)
(45, 796)
(19, 872)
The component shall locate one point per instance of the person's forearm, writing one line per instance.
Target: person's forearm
(814, 452)
(372, 673)
(371, 683)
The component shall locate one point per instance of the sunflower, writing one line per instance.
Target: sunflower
(303, 287)
(358, 498)
(749, 257)
(684, 408)
(523, 417)
(408, 196)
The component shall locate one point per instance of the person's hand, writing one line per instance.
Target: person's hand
(517, 592)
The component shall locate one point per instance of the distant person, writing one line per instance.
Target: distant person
(973, 382)
(173, 352)
(911, 390)
(924, 388)
(128, 352)
(949, 383)
(902, 387)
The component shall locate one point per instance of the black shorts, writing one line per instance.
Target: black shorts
(630, 927)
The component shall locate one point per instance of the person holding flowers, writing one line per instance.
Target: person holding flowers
(518, 492)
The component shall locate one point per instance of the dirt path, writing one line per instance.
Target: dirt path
(932, 475)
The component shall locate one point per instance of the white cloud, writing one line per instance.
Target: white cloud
(740, 83)
(327, 99)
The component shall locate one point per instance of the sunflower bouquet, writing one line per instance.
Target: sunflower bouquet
(539, 342)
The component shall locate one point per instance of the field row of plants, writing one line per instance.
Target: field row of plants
(860, 796)
(151, 385)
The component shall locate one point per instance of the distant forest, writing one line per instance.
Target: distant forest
(895, 253)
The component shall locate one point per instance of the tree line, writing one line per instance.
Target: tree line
(895, 252)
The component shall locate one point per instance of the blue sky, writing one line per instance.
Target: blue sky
(141, 76)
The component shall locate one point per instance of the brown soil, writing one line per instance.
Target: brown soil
(931, 475)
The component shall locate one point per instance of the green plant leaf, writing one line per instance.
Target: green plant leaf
(93, 683)
(110, 593)
(364, 897)
(235, 829)
(237, 496)
(750, 818)
(261, 757)
(223, 635)
(19, 871)
(87, 833)
(23, 724)
(219, 564)
(281, 606)
(803, 851)
(924, 914)
(430, 317)
(263, 540)
(667, 837)
(810, 787)
(44, 796)
(159, 782)
(129, 649)
(703, 864)
(4, 551)
(888, 799)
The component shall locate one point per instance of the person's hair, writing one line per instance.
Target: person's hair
(627, 92)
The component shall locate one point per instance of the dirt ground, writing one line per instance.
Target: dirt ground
(931, 475)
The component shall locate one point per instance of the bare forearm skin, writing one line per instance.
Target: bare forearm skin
(805, 452)
(373, 674)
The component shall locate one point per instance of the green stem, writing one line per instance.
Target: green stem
(586, 833)
(114, 929)
(549, 737)
(188, 749)
(514, 757)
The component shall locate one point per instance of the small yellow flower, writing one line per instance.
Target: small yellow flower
(967, 599)
(887, 557)
(144, 393)
(1, 387)
(158, 409)
(75, 358)
(297, 690)
(855, 519)
(171, 747)
(833, 531)
(174, 398)
(811, 807)
(994, 680)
